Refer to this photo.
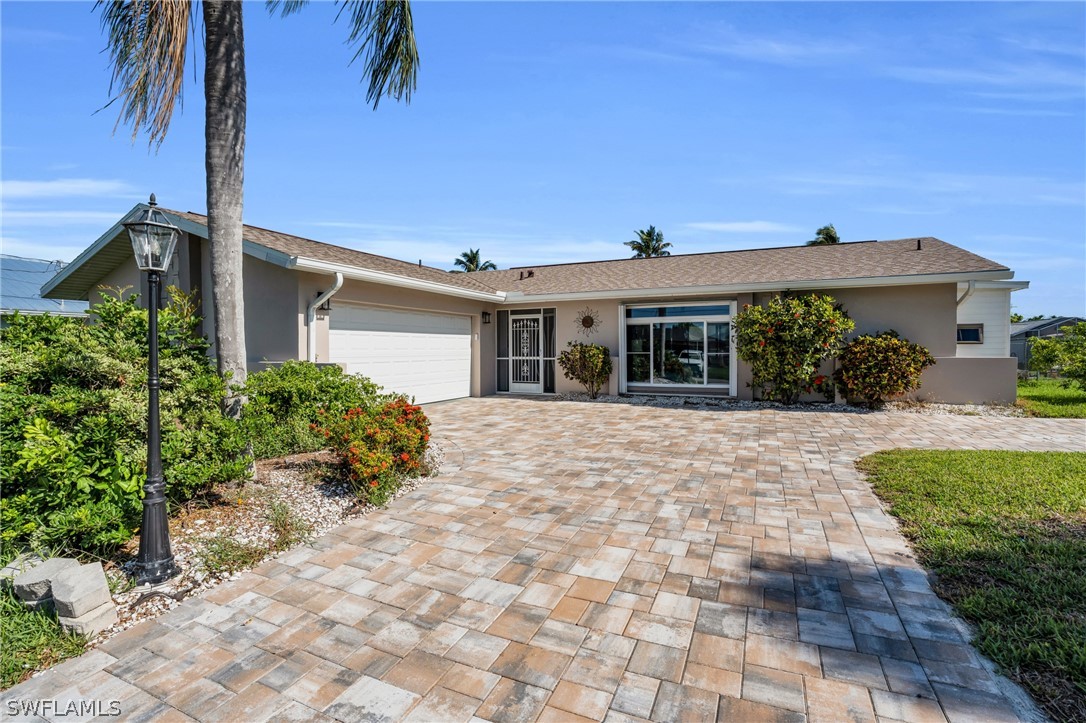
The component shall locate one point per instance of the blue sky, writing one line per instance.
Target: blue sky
(548, 132)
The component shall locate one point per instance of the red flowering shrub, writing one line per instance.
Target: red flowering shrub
(876, 368)
(786, 341)
(380, 445)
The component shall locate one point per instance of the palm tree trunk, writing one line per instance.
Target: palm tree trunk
(224, 134)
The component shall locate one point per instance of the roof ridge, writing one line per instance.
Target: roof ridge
(715, 253)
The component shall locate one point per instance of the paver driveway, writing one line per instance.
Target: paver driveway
(596, 560)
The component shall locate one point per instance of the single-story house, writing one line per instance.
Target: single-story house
(667, 321)
(1023, 331)
(21, 279)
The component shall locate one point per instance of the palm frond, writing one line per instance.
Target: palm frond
(384, 34)
(285, 7)
(148, 44)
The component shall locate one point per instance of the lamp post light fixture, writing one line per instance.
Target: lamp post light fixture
(153, 240)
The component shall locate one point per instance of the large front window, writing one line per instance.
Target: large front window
(672, 345)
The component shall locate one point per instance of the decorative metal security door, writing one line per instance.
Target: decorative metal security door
(525, 354)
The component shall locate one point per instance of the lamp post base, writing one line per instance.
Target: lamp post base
(152, 573)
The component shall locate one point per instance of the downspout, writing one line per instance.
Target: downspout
(311, 316)
(968, 292)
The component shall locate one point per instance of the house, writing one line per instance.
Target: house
(667, 321)
(20, 288)
(1022, 332)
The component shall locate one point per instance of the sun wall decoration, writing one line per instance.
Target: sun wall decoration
(588, 321)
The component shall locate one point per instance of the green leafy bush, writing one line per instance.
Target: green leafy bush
(1065, 353)
(876, 367)
(73, 422)
(380, 445)
(786, 341)
(284, 401)
(587, 364)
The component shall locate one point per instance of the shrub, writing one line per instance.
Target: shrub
(1065, 353)
(786, 341)
(874, 368)
(380, 445)
(587, 364)
(284, 401)
(73, 422)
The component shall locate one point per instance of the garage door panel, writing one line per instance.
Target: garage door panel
(425, 355)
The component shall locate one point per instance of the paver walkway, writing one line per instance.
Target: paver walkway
(589, 561)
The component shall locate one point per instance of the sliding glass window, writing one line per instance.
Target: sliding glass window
(679, 346)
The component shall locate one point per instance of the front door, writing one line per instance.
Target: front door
(526, 354)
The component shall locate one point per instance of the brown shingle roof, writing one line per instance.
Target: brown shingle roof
(782, 266)
(298, 246)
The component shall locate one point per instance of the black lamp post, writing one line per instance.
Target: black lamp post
(153, 241)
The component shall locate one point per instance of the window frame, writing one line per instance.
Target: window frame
(703, 319)
(980, 333)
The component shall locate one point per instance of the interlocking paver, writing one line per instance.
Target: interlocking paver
(608, 561)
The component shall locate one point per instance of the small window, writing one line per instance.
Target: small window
(970, 333)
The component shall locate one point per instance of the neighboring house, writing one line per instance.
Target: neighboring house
(667, 321)
(1022, 332)
(21, 280)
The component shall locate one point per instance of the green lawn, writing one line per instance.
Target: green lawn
(31, 641)
(1047, 398)
(1005, 533)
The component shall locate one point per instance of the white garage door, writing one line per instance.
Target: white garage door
(424, 355)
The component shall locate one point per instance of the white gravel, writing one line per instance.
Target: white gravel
(241, 514)
(694, 402)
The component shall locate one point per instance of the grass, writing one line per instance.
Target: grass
(1005, 534)
(1048, 398)
(32, 641)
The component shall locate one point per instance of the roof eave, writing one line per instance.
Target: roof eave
(92, 250)
(303, 263)
(797, 285)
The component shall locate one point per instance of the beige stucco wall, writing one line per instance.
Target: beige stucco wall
(965, 380)
(925, 314)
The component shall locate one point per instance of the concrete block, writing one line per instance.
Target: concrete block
(17, 567)
(93, 622)
(45, 605)
(78, 590)
(36, 583)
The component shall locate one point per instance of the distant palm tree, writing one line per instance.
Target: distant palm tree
(148, 42)
(471, 260)
(649, 243)
(825, 235)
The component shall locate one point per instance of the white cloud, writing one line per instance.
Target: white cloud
(743, 227)
(64, 187)
(59, 218)
(1007, 74)
(727, 40)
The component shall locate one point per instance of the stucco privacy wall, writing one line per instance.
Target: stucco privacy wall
(394, 297)
(970, 380)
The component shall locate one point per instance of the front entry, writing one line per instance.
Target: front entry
(526, 354)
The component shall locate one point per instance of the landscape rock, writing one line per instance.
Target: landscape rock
(36, 584)
(92, 622)
(79, 590)
(22, 563)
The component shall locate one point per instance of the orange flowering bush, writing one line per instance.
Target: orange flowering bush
(380, 445)
(786, 341)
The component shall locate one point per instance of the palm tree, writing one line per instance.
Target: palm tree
(649, 243)
(825, 235)
(471, 260)
(148, 42)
